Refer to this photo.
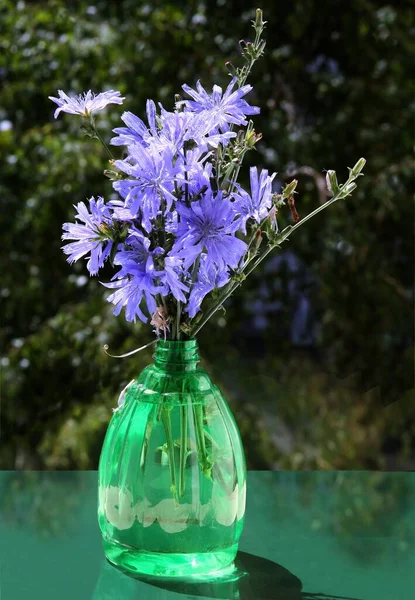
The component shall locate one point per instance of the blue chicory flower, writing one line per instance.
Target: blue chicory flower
(220, 109)
(174, 130)
(172, 278)
(85, 104)
(129, 293)
(152, 178)
(207, 226)
(257, 204)
(209, 278)
(136, 131)
(91, 235)
(137, 278)
(177, 128)
(195, 172)
(120, 212)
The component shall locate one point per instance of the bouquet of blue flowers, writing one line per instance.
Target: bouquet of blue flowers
(180, 231)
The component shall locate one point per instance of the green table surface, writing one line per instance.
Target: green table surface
(308, 535)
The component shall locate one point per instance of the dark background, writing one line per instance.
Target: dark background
(315, 353)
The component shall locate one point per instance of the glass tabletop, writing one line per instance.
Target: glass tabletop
(308, 535)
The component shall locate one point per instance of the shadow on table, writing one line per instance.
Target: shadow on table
(254, 578)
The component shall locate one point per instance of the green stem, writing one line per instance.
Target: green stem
(200, 436)
(195, 272)
(186, 187)
(159, 411)
(178, 317)
(224, 296)
(162, 302)
(98, 136)
(233, 176)
(218, 164)
(161, 405)
(147, 433)
(183, 449)
(165, 417)
(253, 236)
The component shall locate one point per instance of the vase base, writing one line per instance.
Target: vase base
(161, 564)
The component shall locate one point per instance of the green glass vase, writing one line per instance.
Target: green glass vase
(172, 474)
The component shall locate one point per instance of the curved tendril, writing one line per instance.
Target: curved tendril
(105, 348)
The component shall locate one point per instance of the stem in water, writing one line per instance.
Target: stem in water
(183, 449)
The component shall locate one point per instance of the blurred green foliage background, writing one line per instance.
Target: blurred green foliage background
(315, 353)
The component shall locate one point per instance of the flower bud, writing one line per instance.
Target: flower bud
(240, 136)
(105, 230)
(346, 190)
(258, 239)
(259, 23)
(289, 189)
(233, 71)
(331, 181)
(272, 217)
(261, 47)
(251, 138)
(349, 188)
(358, 167)
(113, 175)
(124, 234)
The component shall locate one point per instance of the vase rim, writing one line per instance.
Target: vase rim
(176, 355)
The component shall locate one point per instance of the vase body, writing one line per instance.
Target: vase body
(172, 474)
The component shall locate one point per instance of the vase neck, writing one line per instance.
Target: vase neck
(176, 356)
